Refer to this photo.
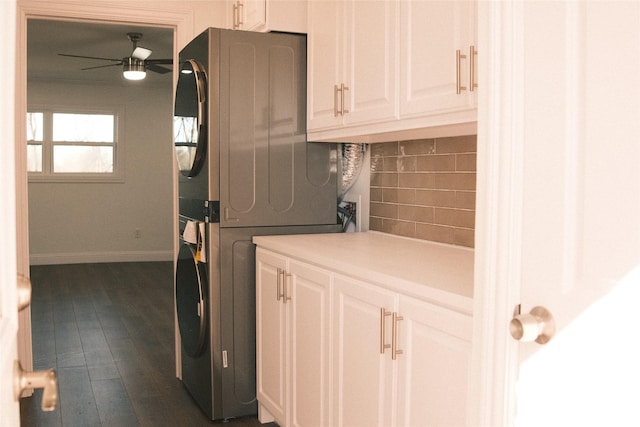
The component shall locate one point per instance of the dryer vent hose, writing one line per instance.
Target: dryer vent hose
(352, 160)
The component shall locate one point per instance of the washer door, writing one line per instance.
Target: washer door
(191, 301)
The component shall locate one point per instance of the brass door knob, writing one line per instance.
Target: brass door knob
(45, 380)
(538, 325)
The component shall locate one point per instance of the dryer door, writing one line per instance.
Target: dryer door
(191, 301)
(190, 118)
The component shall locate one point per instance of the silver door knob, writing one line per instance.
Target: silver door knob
(538, 325)
(45, 380)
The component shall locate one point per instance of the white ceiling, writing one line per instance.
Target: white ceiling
(46, 39)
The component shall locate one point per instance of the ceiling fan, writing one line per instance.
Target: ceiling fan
(135, 65)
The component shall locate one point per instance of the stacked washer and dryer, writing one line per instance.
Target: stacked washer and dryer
(246, 169)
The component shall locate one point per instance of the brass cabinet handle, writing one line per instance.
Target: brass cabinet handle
(240, 13)
(394, 336)
(237, 14)
(279, 283)
(343, 88)
(338, 106)
(472, 68)
(286, 297)
(459, 57)
(46, 380)
(383, 315)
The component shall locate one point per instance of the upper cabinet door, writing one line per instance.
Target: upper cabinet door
(433, 79)
(369, 76)
(265, 15)
(324, 63)
(352, 62)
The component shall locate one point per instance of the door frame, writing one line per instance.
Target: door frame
(182, 23)
(499, 213)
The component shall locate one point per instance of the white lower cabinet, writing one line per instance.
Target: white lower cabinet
(362, 375)
(293, 345)
(433, 367)
(333, 350)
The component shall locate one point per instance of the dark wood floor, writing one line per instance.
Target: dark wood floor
(107, 329)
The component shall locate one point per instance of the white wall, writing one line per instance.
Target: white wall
(95, 222)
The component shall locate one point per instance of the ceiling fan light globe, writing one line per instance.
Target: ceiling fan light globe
(133, 69)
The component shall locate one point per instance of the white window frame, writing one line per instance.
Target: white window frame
(47, 174)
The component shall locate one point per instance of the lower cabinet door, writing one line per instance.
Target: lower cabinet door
(270, 337)
(309, 329)
(433, 366)
(362, 375)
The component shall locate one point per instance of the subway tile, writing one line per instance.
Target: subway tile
(406, 196)
(445, 162)
(376, 194)
(465, 200)
(457, 144)
(415, 213)
(466, 162)
(417, 180)
(383, 210)
(406, 164)
(464, 237)
(375, 224)
(417, 146)
(389, 195)
(384, 179)
(399, 228)
(390, 164)
(441, 198)
(435, 233)
(384, 149)
(455, 181)
(455, 217)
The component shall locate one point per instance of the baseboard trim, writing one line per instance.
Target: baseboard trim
(99, 257)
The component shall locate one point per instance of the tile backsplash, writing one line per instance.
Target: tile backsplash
(425, 189)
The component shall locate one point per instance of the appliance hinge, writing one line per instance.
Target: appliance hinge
(225, 363)
(212, 211)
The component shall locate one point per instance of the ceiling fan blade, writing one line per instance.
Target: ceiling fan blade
(101, 66)
(89, 57)
(141, 53)
(156, 69)
(159, 61)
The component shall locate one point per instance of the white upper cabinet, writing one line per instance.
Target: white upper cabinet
(437, 39)
(387, 69)
(351, 63)
(267, 15)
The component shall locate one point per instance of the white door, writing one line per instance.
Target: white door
(9, 408)
(566, 196)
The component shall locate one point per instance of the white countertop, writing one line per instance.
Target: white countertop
(429, 270)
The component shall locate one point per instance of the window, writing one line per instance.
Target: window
(73, 145)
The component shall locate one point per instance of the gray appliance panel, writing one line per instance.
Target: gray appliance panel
(236, 311)
(259, 164)
(269, 174)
